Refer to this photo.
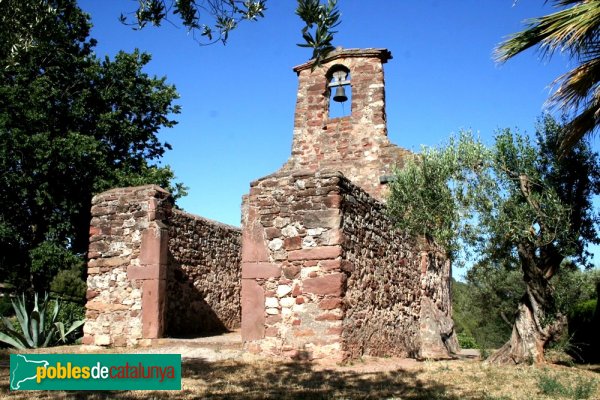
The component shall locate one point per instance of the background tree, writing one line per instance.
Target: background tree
(71, 125)
(574, 30)
(513, 203)
(483, 306)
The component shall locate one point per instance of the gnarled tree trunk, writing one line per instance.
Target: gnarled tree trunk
(537, 321)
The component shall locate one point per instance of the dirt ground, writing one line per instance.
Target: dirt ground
(218, 368)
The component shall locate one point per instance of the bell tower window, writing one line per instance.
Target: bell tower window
(340, 92)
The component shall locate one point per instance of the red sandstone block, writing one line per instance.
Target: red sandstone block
(153, 302)
(253, 310)
(273, 319)
(146, 272)
(334, 330)
(94, 230)
(315, 253)
(154, 247)
(296, 322)
(254, 247)
(330, 265)
(296, 291)
(104, 307)
(292, 243)
(304, 332)
(260, 270)
(331, 284)
(330, 303)
(291, 271)
(312, 274)
(87, 340)
(299, 300)
(108, 262)
(90, 294)
(328, 317)
(272, 232)
(330, 218)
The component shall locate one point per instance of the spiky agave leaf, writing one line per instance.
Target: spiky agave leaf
(13, 334)
(21, 314)
(12, 341)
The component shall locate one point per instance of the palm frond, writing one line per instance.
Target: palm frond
(573, 30)
(584, 123)
(577, 88)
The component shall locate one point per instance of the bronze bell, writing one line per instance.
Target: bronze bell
(340, 95)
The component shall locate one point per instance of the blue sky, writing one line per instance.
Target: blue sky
(238, 100)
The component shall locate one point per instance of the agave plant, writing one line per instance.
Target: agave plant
(38, 329)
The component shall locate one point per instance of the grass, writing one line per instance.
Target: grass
(371, 379)
(581, 388)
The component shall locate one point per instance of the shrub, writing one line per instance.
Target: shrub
(68, 283)
(39, 328)
(583, 331)
(466, 341)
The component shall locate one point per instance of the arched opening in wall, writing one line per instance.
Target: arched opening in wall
(339, 91)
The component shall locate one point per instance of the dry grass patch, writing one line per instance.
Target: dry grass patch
(369, 379)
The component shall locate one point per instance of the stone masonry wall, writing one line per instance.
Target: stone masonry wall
(292, 270)
(324, 274)
(154, 270)
(126, 274)
(357, 145)
(204, 276)
(384, 286)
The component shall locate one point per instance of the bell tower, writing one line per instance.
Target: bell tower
(354, 141)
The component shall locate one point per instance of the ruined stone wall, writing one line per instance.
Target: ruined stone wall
(153, 270)
(292, 278)
(384, 285)
(204, 276)
(324, 273)
(125, 270)
(357, 144)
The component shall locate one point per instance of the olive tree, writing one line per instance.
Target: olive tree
(517, 203)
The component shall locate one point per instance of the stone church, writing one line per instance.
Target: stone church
(317, 269)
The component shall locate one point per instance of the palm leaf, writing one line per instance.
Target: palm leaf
(576, 31)
(573, 30)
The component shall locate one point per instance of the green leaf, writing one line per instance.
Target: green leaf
(35, 328)
(11, 341)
